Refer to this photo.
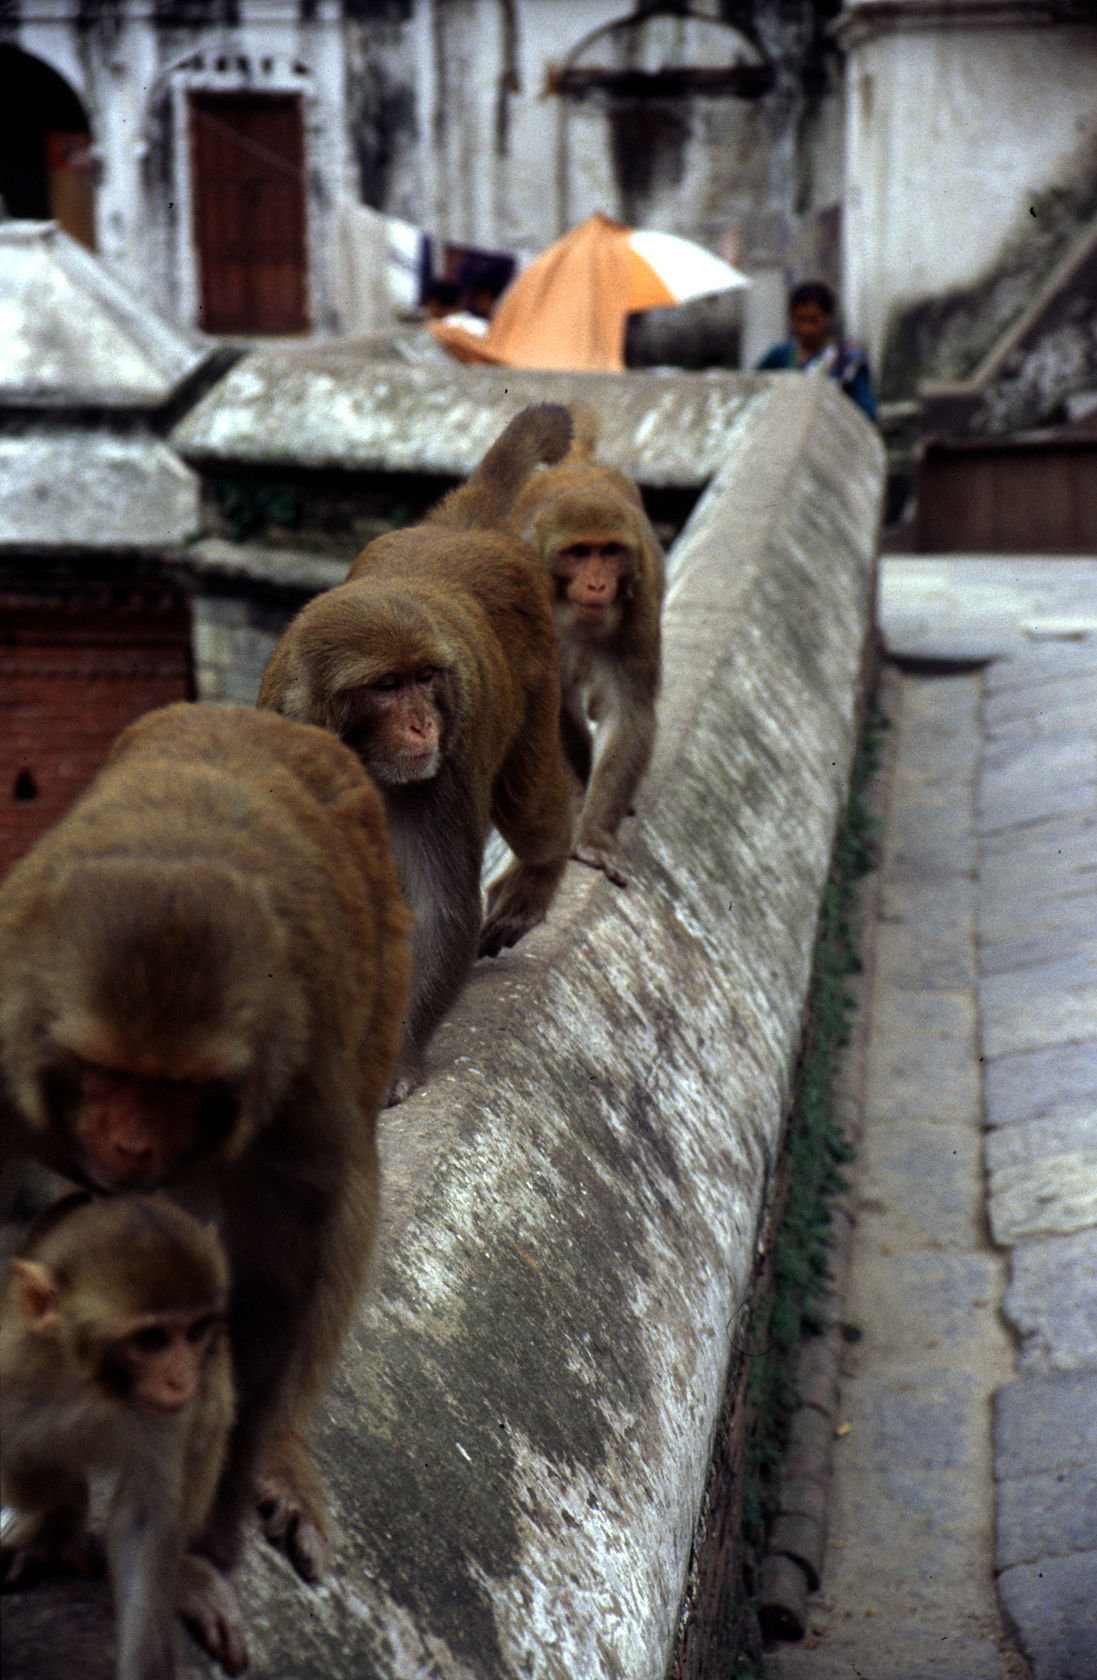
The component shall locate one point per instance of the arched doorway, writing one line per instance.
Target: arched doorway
(46, 167)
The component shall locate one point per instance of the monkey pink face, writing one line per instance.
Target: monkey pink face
(592, 572)
(158, 1365)
(135, 1132)
(396, 726)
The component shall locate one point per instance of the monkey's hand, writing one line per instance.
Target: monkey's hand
(603, 857)
(208, 1604)
(291, 1506)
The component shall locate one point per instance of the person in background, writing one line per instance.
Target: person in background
(813, 344)
(442, 298)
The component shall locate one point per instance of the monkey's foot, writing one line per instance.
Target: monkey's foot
(406, 1079)
(291, 1507)
(209, 1606)
(517, 903)
(603, 858)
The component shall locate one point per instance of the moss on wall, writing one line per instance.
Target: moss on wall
(798, 1302)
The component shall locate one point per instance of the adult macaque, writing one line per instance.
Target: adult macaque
(113, 1363)
(437, 663)
(203, 975)
(588, 524)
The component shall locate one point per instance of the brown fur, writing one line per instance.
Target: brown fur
(610, 673)
(91, 1273)
(221, 907)
(459, 597)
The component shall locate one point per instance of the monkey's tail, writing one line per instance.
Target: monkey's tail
(539, 433)
(587, 424)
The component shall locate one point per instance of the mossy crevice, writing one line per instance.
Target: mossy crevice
(797, 1302)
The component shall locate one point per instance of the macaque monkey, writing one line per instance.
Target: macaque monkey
(113, 1362)
(436, 662)
(588, 524)
(203, 978)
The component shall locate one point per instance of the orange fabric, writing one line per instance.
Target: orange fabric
(645, 289)
(567, 309)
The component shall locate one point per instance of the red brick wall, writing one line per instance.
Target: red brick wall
(76, 665)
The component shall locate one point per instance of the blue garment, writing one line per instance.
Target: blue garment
(843, 360)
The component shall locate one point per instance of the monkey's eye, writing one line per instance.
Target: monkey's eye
(201, 1328)
(426, 676)
(385, 685)
(577, 551)
(152, 1339)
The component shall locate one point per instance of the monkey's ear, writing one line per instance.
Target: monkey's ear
(36, 1295)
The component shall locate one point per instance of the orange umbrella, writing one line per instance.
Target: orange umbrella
(568, 309)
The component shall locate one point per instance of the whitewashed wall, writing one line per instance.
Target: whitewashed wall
(958, 112)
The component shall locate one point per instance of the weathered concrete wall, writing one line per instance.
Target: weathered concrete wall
(968, 125)
(520, 1429)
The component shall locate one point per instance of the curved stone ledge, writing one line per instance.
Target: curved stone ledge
(519, 1434)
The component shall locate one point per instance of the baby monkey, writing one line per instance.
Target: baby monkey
(113, 1362)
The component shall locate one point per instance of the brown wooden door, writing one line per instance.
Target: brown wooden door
(248, 167)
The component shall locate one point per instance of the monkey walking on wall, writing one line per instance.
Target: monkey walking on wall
(436, 662)
(203, 977)
(113, 1362)
(588, 524)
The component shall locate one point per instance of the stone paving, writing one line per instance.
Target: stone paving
(963, 1523)
(1037, 956)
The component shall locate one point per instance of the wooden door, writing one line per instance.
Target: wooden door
(248, 172)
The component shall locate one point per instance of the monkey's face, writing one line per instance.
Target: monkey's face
(396, 725)
(591, 572)
(132, 1132)
(157, 1363)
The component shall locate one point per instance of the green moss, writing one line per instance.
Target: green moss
(816, 1149)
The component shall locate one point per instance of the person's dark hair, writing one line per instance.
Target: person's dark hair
(445, 292)
(813, 291)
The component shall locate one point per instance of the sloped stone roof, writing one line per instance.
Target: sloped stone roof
(334, 406)
(93, 488)
(71, 335)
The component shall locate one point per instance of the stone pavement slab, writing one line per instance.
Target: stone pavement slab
(1052, 1302)
(1046, 1423)
(1028, 779)
(929, 1175)
(1042, 1178)
(1033, 663)
(1029, 946)
(1047, 1515)
(1067, 703)
(1030, 917)
(981, 606)
(1042, 1003)
(1059, 1082)
(926, 950)
(1051, 1604)
(922, 1060)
